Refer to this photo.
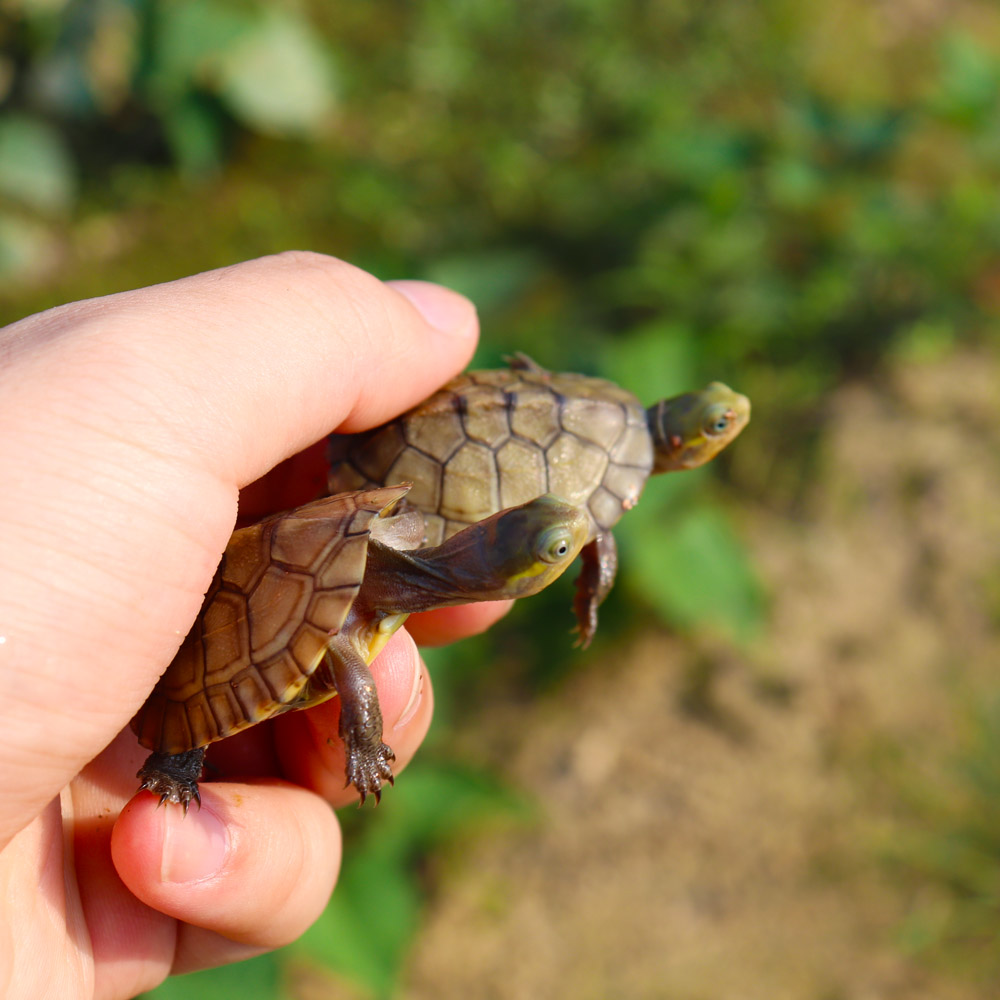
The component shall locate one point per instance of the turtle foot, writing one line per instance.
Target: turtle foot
(585, 606)
(586, 625)
(173, 776)
(369, 767)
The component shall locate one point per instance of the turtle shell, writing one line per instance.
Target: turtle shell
(492, 439)
(283, 587)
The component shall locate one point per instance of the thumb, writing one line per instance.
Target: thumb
(130, 422)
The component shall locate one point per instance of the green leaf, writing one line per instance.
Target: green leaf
(490, 278)
(656, 361)
(36, 168)
(969, 82)
(189, 37)
(278, 76)
(255, 979)
(366, 930)
(194, 135)
(692, 568)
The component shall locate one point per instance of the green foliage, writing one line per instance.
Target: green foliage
(254, 979)
(35, 166)
(278, 77)
(969, 84)
(365, 932)
(689, 565)
(657, 360)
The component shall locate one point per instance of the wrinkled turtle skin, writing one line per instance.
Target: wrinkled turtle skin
(491, 439)
(303, 601)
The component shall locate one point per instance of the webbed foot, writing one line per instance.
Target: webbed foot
(173, 776)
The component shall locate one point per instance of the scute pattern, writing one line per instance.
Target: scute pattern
(494, 439)
(284, 586)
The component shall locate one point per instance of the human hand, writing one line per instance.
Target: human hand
(128, 425)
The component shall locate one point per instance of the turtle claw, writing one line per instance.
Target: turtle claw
(173, 776)
(368, 769)
(584, 633)
(177, 796)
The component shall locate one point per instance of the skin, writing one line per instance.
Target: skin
(691, 429)
(128, 426)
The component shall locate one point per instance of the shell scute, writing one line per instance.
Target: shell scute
(277, 603)
(387, 445)
(308, 646)
(523, 472)
(283, 587)
(440, 436)
(424, 472)
(485, 416)
(281, 674)
(574, 467)
(593, 421)
(605, 508)
(241, 565)
(624, 483)
(181, 720)
(224, 638)
(226, 713)
(634, 450)
(253, 697)
(534, 415)
(471, 484)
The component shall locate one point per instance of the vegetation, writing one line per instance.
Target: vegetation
(772, 194)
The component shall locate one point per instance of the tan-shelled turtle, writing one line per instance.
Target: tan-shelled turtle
(491, 439)
(302, 603)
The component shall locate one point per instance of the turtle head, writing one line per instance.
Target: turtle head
(530, 546)
(514, 553)
(691, 429)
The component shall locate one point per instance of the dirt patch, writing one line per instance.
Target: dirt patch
(732, 852)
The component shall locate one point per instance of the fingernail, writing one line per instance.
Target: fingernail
(444, 309)
(416, 693)
(194, 846)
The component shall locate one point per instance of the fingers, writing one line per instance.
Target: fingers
(247, 364)
(437, 628)
(254, 867)
(306, 742)
(251, 869)
(131, 421)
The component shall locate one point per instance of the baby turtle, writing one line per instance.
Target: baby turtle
(303, 601)
(491, 439)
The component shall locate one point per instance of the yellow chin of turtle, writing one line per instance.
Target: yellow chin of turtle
(535, 569)
(694, 442)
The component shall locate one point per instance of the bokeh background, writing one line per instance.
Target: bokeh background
(776, 774)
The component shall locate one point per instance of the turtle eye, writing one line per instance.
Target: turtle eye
(555, 544)
(717, 420)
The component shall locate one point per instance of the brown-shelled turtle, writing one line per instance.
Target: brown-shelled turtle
(303, 601)
(491, 439)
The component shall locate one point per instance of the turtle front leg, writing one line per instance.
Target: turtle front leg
(368, 760)
(174, 776)
(597, 576)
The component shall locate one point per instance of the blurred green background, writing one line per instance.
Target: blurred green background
(801, 200)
